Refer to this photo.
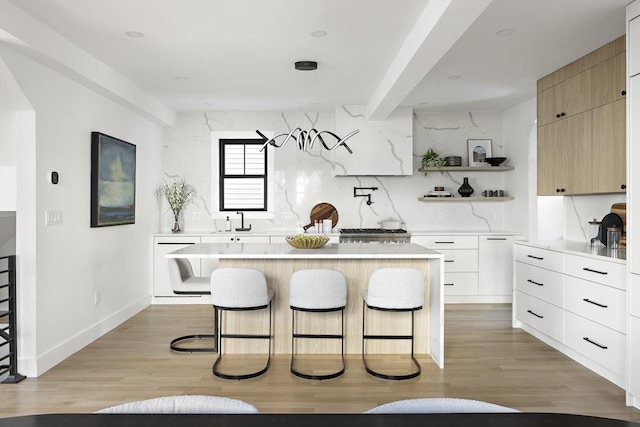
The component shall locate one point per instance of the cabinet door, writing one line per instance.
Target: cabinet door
(633, 193)
(609, 80)
(550, 105)
(495, 269)
(577, 149)
(634, 46)
(576, 95)
(552, 159)
(164, 245)
(634, 356)
(608, 164)
(210, 264)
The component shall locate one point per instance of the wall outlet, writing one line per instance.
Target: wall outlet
(195, 216)
(441, 216)
(52, 217)
(496, 216)
(286, 215)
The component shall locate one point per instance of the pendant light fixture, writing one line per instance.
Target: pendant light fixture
(305, 139)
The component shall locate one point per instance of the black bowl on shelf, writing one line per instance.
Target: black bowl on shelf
(495, 161)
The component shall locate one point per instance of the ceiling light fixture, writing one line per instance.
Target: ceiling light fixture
(319, 33)
(454, 77)
(305, 139)
(506, 32)
(181, 78)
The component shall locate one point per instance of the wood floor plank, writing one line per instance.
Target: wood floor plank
(485, 359)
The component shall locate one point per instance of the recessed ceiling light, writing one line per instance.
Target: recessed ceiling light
(506, 32)
(181, 78)
(319, 33)
(454, 77)
(134, 34)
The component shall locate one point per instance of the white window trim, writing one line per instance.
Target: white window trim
(215, 176)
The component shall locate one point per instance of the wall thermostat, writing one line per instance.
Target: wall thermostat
(54, 178)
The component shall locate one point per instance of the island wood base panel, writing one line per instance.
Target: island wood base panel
(357, 272)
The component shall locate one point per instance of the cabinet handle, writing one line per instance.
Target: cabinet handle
(604, 347)
(448, 284)
(537, 315)
(623, 187)
(496, 238)
(535, 283)
(594, 271)
(444, 243)
(560, 190)
(176, 243)
(623, 93)
(558, 116)
(536, 257)
(594, 303)
(562, 114)
(448, 260)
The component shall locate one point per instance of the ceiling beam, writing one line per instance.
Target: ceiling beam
(437, 29)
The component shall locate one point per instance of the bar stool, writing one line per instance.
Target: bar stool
(396, 289)
(317, 291)
(239, 289)
(183, 282)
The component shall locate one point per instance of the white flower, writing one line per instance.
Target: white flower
(178, 194)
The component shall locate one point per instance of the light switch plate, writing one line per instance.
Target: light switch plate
(52, 217)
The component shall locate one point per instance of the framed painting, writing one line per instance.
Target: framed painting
(113, 181)
(479, 149)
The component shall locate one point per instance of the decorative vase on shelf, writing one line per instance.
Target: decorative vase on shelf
(465, 190)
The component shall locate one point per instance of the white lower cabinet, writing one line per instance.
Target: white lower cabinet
(495, 269)
(162, 246)
(576, 303)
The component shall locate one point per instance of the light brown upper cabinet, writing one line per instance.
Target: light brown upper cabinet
(581, 125)
(565, 99)
(609, 81)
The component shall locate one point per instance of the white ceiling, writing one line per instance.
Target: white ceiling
(239, 54)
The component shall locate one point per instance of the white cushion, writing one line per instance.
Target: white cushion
(318, 289)
(182, 278)
(438, 406)
(397, 287)
(183, 405)
(239, 288)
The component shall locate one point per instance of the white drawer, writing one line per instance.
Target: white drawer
(596, 270)
(460, 261)
(461, 284)
(634, 295)
(604, 346)
(602, 304)
(539, 257)
(539, 282)
(446, 242)
(545, 317)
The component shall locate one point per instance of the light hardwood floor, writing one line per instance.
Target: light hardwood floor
(485, 359)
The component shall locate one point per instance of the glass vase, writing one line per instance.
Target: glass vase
(178, 222)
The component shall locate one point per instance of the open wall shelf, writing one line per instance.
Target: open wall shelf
(465, 199)
(467, 169)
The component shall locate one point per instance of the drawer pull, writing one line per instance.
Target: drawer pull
(176, 243)
(604, 347)
(539, 258)
(496, 238)
(448, 284)
(444, 243)
(594, 271)
(594, 303)
(448, 260)
(535, 283)
(537, 315)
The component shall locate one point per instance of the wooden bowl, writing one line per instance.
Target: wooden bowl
(307, 241)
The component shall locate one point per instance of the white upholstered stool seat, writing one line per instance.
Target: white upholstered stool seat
(184, 282)
(240, 289)
(190, 404)
(397, 289)
(317, 291)
(438, 405)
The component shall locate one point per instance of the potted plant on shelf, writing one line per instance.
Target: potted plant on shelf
(432, 159)
(179, 194)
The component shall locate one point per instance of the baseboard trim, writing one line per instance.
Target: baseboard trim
(46, 361)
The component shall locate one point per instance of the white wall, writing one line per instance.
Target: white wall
(304, 179)
(63, 266)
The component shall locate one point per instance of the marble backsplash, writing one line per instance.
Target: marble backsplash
(303, 179)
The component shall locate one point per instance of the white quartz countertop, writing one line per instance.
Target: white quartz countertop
(580, 248)
(285, 251)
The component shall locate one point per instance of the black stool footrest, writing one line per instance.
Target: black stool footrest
(174, 345)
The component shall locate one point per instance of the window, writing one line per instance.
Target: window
(242, 176)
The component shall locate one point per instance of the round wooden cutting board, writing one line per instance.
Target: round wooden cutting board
(323, 211)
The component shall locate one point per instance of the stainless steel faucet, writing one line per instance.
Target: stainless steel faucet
(242, 227)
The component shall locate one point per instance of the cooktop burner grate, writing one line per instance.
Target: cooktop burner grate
(371, 231)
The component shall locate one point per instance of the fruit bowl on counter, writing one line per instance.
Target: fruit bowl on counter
(307, 241)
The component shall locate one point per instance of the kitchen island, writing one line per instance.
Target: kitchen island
(357, 261)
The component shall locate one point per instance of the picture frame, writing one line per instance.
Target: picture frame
(113, 181)
(479, 149)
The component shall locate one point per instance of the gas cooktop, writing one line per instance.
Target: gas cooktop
(371, 231)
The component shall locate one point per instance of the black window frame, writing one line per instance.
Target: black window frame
(221, 173)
